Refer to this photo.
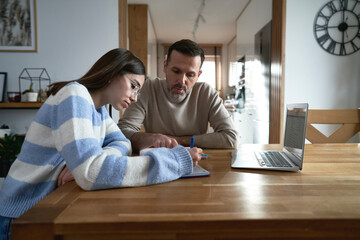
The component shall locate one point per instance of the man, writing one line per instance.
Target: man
(178, 108)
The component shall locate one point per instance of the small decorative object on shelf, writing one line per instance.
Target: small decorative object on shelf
(28, 77)
(43, 95)
(4, 129)
(14, 96)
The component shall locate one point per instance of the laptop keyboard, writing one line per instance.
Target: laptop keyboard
(274, 159)
(298, 156)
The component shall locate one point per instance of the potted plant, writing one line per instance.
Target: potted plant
(4, 129)
(10, 147)
(30, 94)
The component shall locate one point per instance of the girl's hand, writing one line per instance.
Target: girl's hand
(64, 177)
(195, 154)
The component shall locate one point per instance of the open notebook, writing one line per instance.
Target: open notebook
(197, 172)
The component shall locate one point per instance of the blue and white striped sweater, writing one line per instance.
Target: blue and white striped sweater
(69, 130)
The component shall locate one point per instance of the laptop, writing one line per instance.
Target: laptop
(292, 155)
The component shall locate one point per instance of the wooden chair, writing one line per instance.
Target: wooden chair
(349, 118)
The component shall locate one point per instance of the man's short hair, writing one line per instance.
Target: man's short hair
(186, 47)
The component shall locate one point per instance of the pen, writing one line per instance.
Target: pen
(204, 156)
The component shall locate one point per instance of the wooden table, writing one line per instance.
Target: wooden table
(320, 202)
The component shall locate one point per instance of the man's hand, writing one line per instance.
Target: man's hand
(161, 140)
(183, 140)
(141, 140)
(64, 177)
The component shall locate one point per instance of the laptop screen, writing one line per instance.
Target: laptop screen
(295, 128)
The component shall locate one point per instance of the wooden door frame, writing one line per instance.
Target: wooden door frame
(122, 19)
(277, 71)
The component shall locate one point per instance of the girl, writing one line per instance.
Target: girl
(73, 128)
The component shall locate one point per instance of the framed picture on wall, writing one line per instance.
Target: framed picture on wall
(18, 26)
(2, 85)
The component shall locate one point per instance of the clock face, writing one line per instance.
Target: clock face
(337, 27)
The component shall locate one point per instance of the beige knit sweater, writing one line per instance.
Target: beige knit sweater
(190, 117)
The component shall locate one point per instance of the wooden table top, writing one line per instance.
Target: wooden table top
(320, 202)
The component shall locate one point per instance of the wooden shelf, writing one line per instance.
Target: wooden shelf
(21, 105)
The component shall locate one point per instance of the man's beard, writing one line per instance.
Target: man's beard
(178, 97)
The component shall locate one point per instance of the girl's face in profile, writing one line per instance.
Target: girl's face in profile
(124, 90)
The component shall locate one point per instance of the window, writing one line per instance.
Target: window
(211, 71)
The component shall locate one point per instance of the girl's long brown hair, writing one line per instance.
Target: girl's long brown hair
(116, 62)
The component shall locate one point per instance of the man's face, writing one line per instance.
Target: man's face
(181, 73)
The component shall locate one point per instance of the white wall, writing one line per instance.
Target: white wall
(160, 60)
(231, 71)
(312, 75)
(72, 35)
(224, 70)
(257, 14)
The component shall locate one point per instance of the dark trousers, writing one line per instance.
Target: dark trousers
(5, 224)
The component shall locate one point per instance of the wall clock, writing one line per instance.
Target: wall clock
(337, 27)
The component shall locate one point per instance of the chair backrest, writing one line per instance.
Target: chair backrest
(348, 118)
